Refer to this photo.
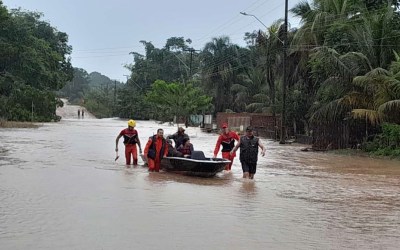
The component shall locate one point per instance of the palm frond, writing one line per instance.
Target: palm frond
(377, 72)
(372, 116)
(255, 107)
(333, 111)
(263, 98)
(238, 88)
(356, 99)
(390, 107)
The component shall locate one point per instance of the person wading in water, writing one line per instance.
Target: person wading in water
(131, 138)
(227, 140)
(156, 148)
(249, 145)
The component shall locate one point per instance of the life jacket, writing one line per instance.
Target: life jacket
(228, 143)
(130, 136)
(249, 149)
(154, 149)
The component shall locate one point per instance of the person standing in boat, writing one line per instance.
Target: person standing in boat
(156, 148)
(249, 145)
(131, 138)
(186, 148)
(227, 140)
(178, 137)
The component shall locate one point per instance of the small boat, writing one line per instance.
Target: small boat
(196, 165)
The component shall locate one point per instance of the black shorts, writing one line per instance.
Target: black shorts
(249, 167)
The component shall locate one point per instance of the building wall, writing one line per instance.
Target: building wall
(264, 125)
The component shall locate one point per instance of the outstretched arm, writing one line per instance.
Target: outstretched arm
(173, 136)
(116, 142)
(235, 148)
(138, 143)
(217, 146)
(262, 147)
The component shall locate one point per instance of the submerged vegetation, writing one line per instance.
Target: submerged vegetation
(10, 124)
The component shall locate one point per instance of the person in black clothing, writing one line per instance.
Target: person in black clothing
(178, 137)
(172, 151)
(249, 145)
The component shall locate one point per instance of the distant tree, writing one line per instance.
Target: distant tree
(175, 99)
(75, 90)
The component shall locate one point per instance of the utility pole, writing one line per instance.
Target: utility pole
(284, 83)
(191, 50)
(115, 94)
(246, 14)
(32, 112)
(284, 70)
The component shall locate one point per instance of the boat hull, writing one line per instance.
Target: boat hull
(208, 167)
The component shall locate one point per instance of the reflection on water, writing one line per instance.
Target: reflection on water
(60, 188)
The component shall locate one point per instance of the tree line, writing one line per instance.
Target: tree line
(343, 68)
(34, 63)
(343, 65)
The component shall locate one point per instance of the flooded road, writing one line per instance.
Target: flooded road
(60, 188)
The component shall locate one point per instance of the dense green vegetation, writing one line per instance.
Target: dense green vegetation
(343, 70)
(174, 99)
(34, 62)
(386, 143)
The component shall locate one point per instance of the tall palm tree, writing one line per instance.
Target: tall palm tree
(220, 65)
(377, 35)
(381, 92)
(251, 92)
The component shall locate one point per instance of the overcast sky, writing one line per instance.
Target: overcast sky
(102, 33)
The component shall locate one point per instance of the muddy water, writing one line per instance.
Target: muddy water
(60, 188)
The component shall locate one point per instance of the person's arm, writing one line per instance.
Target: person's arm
(217, 146)
(235, 136)
(191, 148)
(262, 147)
(147, 147)
(236, 147)
(173, 136)
(166, 149)
(116, 142)
(179, 148)
(138, 142)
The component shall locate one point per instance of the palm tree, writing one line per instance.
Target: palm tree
(381, 92)
(220, 65)
(251, 92)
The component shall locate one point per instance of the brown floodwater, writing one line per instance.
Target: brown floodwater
(60, 188)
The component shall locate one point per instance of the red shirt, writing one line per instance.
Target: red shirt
(130, 136)
(158, 143)
(227, 140)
